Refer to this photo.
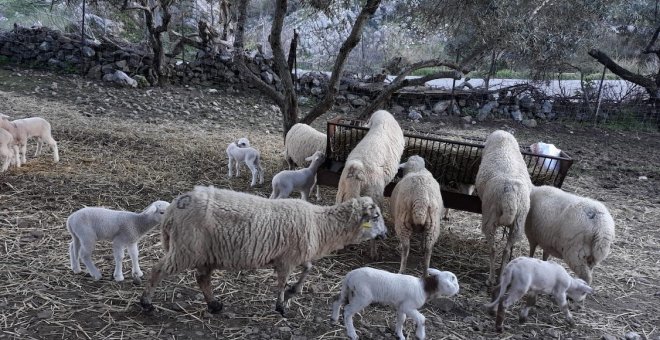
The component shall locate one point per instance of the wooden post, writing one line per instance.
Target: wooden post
(82, 40)
(453, 87)
(600, 89)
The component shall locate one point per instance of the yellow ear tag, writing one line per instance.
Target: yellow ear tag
(366, 225)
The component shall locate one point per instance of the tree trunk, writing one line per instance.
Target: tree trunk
(349, 44)
(649, 84)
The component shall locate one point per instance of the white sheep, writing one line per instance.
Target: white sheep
(8, 150)
(416, 206)
(240, 151)
(23, 129)
(548, 150)
(302, 180)
(576, 229)
(123, 228)
(525, 275)
(373, 163)
(364, 286)
(211, 228)
(503, 185)
(301, 142)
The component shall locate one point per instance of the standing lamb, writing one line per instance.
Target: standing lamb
(576, 229)
(210, 228)
(8, 150)
(302, 180)
(23, 129)
(364, 286)
(503, 185)
(373, 163)
(301, 142)
(241, 151)
(416, 206)
(525, 275)
(123, 228)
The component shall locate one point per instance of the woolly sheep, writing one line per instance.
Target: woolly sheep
(302, 180)
(23, 129)
(240, 151)
(211, 228)
(8, 150)
(549, 150)
(503, 185)
(525, 275)
(416, 205)
(373, 163)
(364, 286)
(123, 228)
(576, 229)
(301, 142)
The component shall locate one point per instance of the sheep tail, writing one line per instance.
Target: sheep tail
(603, 236)
(509, 202)
(351, 181)
(420, 212)
(505, 281)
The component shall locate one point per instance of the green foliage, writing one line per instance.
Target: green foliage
(4, 60)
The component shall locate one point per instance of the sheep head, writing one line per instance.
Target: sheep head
(414, 164)
(578, 290)
(243, 143)
(438, 283)
(371, 220)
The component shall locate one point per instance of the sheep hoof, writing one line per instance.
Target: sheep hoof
(147, 307)
(280, 309)
(498, 329)
(215, 307)
(522, 319)
(137, 281)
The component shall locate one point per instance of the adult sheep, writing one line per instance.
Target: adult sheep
(416, 206)
(301, 142)
(577, 229)
(211, 228)
(373, 163)
(503, 185)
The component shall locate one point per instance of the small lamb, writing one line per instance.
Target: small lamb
(302, 180)
(8, 150)
(526, 275)
(364, 286)
(240, 151)
(23, 129)
(123, 228)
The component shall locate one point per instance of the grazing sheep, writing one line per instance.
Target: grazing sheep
(8, 150)
(210, 228)
(525, 275)
(548, 150)
(503, 185)
(301, 142)
(576, 229)
(23, 129)
(240, 151)
(123, 228)
(373, 163)
(302, 180)
(364, 286)
(416, 206)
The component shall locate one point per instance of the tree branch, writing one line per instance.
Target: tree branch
(611, 65)
(649, 47)
(349, 44)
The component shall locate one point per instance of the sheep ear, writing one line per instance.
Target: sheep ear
(403, 165)
(430, 284)
(310, 158)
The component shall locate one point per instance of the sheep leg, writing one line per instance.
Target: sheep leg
(37, 151)
(507, 253)
(282, 276)
(546, 255)
(532, 248)
(582, 271)
(431, 235)
(560, 298)
(204, 282)
(400, 320)
(373, 250)
(530, 301)
(419, 321)
(490, 237)
(350, 309)
(446, 216)
(304, 195)
(86, 257)
(157, 275)
(53, 146)
(336, 306)
(297, 288)
(499, 318)
(5, 164)
(118, 253)
(23, 151)
(405, 250)
(133, 252)
(230, 165)
(318, 193)
(74, 254)
(18, 156)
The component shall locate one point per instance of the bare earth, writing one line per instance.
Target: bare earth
(125, 148)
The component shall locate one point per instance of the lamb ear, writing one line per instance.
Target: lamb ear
(403, 165)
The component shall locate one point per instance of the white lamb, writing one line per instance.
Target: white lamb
(373, 163)
(548, 150)
(240, 151)
(23, 129)
(364, 286)
(123, 228)
(577, 229)
(503, 185)
(301, 142)
(8, 150)
(302, 180)
(525, 275)
(210, 229)
(416, 206)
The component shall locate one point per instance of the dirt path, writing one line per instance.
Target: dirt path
(124, 149)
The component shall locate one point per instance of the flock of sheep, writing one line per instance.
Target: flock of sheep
(210, 228)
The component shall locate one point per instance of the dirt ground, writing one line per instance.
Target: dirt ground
(125, 148)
